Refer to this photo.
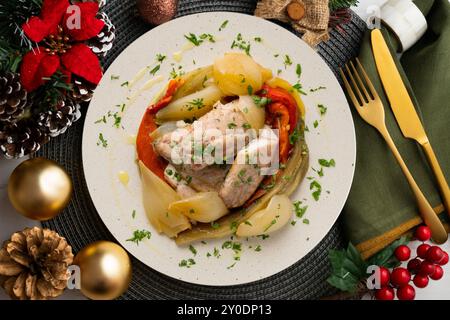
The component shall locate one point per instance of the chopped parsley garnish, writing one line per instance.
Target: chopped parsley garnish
(186, 263)
(114, 77)
(117, 120)
(270, 225)
(102, 119)
(197, 103)
(125, 84)
(155, 70)
(232, 125)
(316, 124)
(327, 163)
(160, 58)
(223, 25)
(246, 126)
(317, 89)
(233, 226)
(193, 250)
(250, 90)
(208, 254)
(276, 55)
(216, 253)
(204, 81)
(299, 88)
(140, 235)
(263, 236)
(319, 172)
(102, 141)
(200, 39)
(248, 223)
(258, 248)
(287, 61)
(299, 209)
(316, 188)
(133, 214)
(188, 179)
(305, 221)
(322, 109)
(231, 266)
(215, 225)
(169, 172)
(240, 43)
(294, 136)
(298, 70)
(261, 101)
(258, 39)
(293, 222)
(227, 245)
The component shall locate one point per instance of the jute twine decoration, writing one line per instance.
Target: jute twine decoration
(309, 17)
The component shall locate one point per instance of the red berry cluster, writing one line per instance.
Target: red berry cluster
(426, 265)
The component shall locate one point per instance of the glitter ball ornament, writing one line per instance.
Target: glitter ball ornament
(157, 11)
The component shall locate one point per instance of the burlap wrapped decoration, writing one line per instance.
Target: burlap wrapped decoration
(313, 22)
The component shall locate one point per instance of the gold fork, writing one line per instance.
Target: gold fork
(370, 108)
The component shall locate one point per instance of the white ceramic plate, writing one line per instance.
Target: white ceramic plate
(334, 137)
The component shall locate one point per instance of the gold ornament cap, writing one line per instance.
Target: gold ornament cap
(105, 270)
(39, 189)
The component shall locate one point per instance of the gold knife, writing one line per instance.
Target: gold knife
(404, 110)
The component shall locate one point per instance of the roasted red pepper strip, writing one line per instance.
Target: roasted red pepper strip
(282, 96)
(167, 98)
(281, 122)
(144, 146)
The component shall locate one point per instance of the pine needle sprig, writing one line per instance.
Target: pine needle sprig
(341, 4)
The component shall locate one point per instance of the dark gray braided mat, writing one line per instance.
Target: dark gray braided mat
(81, 224)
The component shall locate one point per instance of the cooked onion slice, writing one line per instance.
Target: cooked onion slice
(268, 220)
(202, 207)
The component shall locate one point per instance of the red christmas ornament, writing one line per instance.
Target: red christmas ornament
(385, 293)
(422, 250)
(427, 268)
(414, 265)
(420, 281)
(384, 276)
(400, 276)
(406, 292)
(438, 273)
(423, 233)
(402, 253)
(444, 259)
(435, 254)
(60, 32)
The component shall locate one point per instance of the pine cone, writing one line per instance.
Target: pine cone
(101, 44)
(56, 120)
(13, 97)
(34, 264)
(20, 138)
(82, 90)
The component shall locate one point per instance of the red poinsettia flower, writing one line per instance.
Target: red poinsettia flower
(60, 30)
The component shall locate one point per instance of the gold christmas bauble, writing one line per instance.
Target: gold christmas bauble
(105, 270)
(39, 189)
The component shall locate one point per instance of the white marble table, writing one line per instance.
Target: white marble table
(11, 221)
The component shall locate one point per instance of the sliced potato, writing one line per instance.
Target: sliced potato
(191, 106)
(235, 72)
(203, 207)
(158, 195)
(254, 114)
(272, 218)
(194, 81)
(283, 84)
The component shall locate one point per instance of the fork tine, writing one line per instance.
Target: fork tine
(361, 83)
(355, 101)
(355, 86)
(366, 77)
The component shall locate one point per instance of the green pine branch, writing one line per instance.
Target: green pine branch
(341, 4)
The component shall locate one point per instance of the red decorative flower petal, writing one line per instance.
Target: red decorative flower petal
(82, 24)
(36, 66)
(53, 10)
(81, 61)
(36, 29)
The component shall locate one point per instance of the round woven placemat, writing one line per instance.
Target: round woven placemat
(81, 224)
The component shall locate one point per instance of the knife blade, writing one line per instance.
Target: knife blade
(403, 108)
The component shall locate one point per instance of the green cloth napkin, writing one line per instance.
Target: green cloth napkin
(381, 205)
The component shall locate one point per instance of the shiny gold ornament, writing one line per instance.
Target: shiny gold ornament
(105, 270)
(39, 189)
